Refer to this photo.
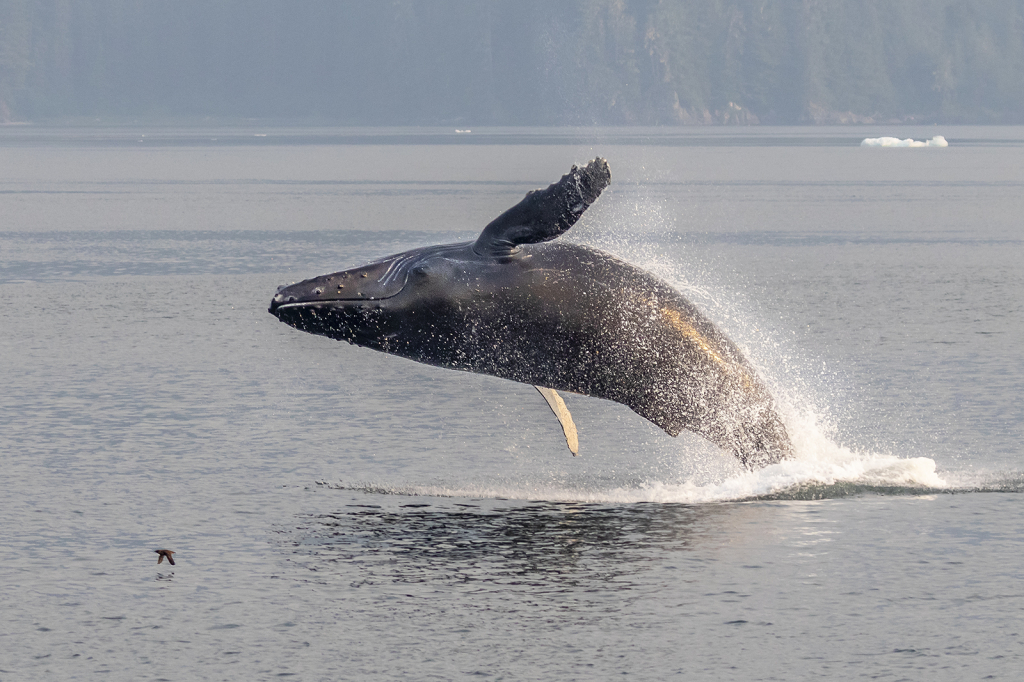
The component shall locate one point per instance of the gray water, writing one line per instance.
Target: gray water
(341, 514)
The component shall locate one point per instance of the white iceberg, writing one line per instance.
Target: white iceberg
(937, 141)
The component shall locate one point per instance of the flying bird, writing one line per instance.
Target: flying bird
(164, 554)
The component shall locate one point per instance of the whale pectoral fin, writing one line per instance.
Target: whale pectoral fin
(557, 406)
(545, 213)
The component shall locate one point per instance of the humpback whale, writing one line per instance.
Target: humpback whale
(563, 317)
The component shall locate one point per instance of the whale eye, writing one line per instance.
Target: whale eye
(420, 271)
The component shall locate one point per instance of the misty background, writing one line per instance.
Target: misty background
(515, 62)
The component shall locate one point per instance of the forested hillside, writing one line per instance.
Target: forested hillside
(516, 62)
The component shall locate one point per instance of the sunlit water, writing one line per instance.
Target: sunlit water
(341, 514)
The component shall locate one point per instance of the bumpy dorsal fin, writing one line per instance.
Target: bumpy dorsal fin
(557, 406)
(545, 213)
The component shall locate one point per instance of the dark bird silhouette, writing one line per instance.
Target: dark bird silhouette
(164, 554)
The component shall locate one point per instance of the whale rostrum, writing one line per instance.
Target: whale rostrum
(563, 317)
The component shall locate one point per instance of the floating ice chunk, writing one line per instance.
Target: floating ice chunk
(937, 141)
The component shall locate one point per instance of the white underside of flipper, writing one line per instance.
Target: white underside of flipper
(557, 406)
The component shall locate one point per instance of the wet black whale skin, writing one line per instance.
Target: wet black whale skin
(518, 306)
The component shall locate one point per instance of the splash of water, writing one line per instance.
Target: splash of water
(822, 467)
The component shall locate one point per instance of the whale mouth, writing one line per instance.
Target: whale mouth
(325, 303)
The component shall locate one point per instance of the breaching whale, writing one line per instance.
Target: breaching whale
(559, 316)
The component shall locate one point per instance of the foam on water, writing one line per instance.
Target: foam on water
(937, 141)
(821, 469)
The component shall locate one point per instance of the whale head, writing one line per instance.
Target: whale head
(389, 304)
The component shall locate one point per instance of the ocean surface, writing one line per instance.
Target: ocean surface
(340, 514)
